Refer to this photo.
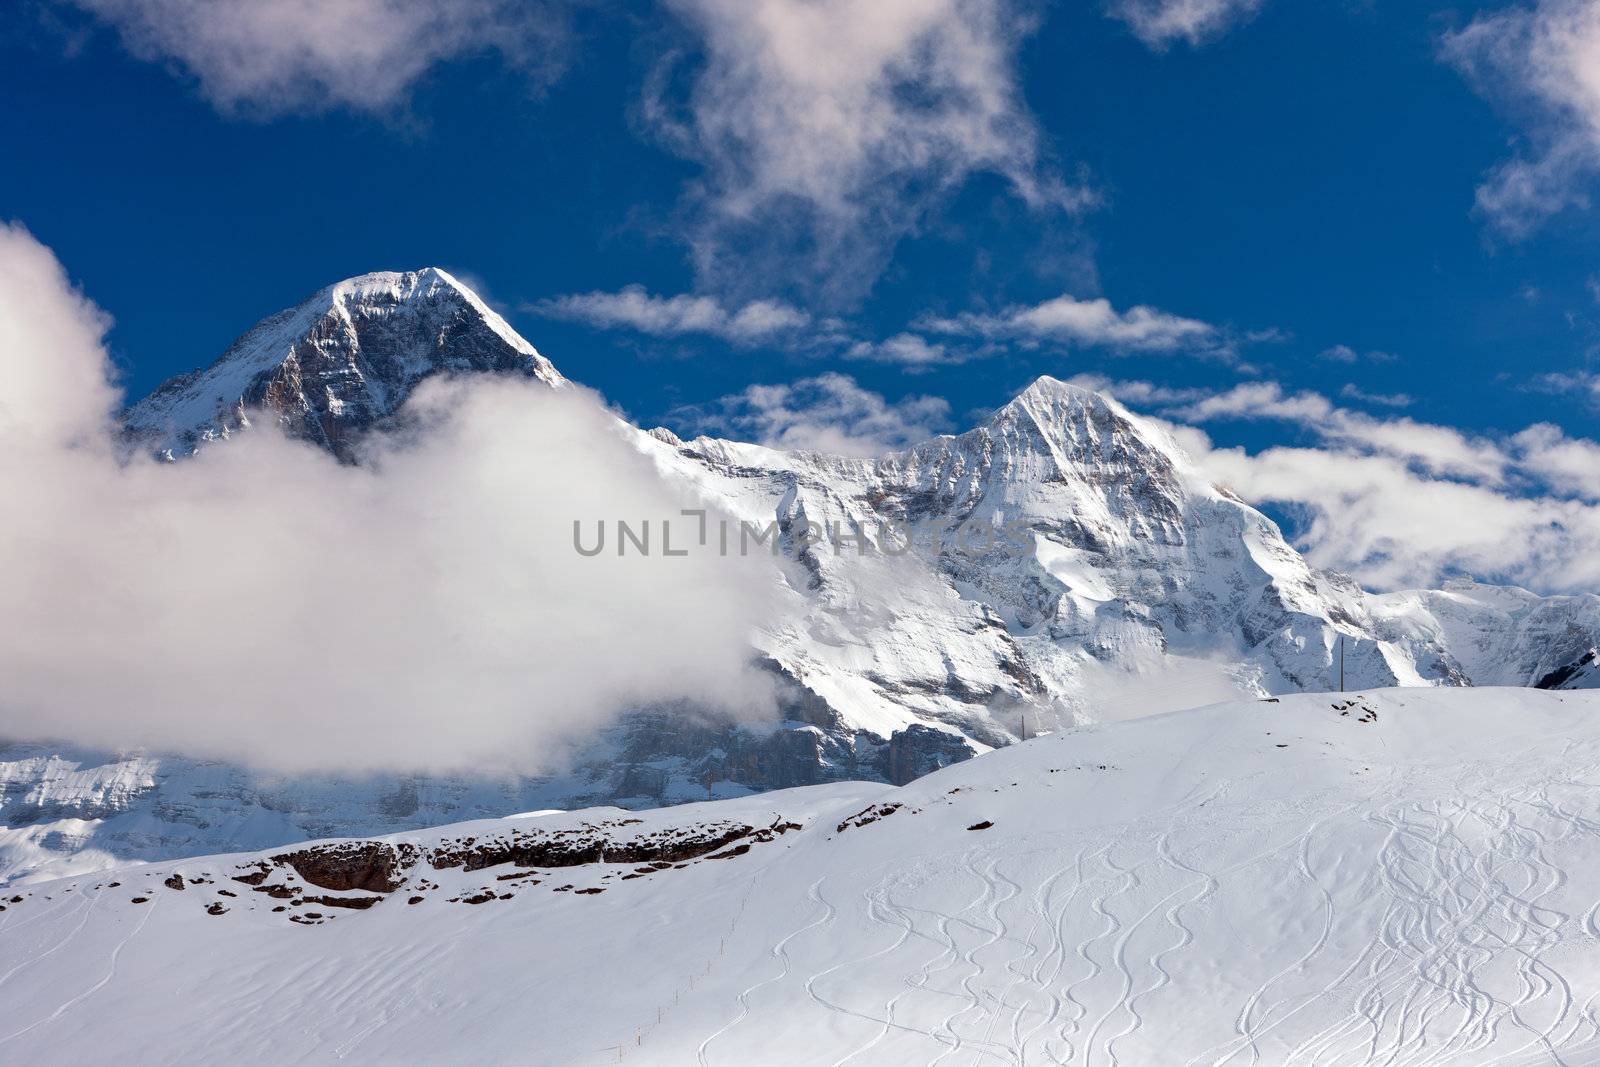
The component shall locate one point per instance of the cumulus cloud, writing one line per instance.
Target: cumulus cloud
(828, 129)
(829, 413)
(1094, 322)
(633, 308)
(1543, 63)
(263, 603)
(1163, 23)
(274, 56)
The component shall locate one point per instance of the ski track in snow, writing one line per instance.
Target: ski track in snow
(86, 906)
(780, 951)
(1454, 959)
(1441, 915)
(111, 972)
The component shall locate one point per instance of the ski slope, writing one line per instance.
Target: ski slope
(1393, 877)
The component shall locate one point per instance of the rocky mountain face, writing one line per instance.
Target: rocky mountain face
(337, 363)
(1078, 539)
(1062, 563)
(1496, 635)
(1113, 565)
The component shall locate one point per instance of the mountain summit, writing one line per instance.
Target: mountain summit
(337, 363)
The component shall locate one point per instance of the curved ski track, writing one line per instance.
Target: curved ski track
(1426, 933)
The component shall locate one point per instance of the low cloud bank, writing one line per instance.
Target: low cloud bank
(262, 603)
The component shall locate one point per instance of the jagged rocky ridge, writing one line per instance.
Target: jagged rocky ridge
(1124, 568)
(337, 364)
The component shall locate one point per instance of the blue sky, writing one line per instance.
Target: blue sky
(1321, 226)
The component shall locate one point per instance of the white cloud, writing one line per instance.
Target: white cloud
(910, 350)
(633, 308)
(1543, 62)
(825, 130)
(1399, 503)
(828, 413)
(1580, 383)
(273, 56)
(1141, 393)
(1568, 465)
(1063, 320)
(1437, 449)
(1351, 391)
(1377, 517)
(828, 129)
(1346, 354)
(262, 602)
(1541, 456)
(1162, 23)
(55, 388)
(1258, 400)
(1068, 320)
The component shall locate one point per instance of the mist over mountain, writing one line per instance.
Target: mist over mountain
(272, 603)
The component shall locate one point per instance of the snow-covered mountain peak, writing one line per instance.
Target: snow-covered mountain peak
(1053, 406)
(1087, 432)
(400, 285)
(1045, 391)
(339, 362)
(428, 285)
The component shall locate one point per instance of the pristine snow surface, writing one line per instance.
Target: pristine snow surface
(1401, 876)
